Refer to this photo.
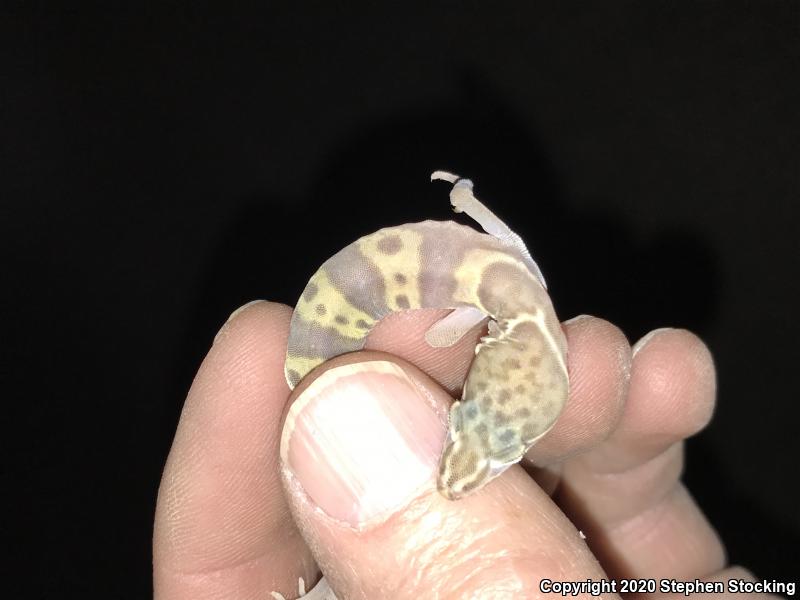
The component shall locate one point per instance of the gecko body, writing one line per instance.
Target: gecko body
(517, 384)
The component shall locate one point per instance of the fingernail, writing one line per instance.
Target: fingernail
(362, 441)
(577, 319)
(646, 339)
(241, 308)
(222, 330)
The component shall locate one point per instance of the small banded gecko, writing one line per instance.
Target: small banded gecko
(517, 384)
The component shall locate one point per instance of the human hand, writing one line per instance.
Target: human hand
(357, 494)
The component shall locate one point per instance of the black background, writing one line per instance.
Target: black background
(161, 167)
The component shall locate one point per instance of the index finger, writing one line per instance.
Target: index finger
(222, 526)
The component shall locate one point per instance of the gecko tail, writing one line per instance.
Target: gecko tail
(444, 176)
(463, 200)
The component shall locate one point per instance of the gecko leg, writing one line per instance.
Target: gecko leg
(463, 200)
(448, 330)
(321, 591)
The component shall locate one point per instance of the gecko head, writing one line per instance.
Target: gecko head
(464, 466)
(468, 461)
(463, 469)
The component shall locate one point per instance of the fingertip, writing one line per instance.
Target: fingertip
(598, 346)
(673, 374)
(259, 313)
(362, 438)
(598, 359)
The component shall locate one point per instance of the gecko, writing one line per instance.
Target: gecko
(517, 384)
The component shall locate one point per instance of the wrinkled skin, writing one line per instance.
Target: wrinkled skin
(230, 525)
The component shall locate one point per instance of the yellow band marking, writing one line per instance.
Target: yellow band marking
(404, 262)
(333, 304)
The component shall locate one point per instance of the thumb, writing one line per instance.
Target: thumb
(360, 451)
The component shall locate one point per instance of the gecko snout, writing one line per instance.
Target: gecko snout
(463, 468)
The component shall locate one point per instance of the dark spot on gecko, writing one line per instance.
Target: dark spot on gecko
(530, 432)
(503, 397)
(402, 301)
(535, 360)
(362, 324)
(501, 418)
(321, 310)
(471, 413)
(482, 431)
(294, 376)
(522, 413)
(481, 386)
(487, 402)
(477, 477)
(520, 389)
(531, 376)
(400, 279)
(391, 244)
(341, 320)
(310, 291)
(511, 363)
(507, 436)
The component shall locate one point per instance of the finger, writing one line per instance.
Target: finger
(598, 362)
(403, 334)
(222, 526)
(625, 494)
(360, 449)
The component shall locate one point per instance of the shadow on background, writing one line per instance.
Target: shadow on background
(754, 538)
(593, 263)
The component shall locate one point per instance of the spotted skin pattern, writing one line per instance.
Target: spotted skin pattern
(517, 385)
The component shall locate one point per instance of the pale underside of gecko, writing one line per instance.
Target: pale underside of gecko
(517, 384)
